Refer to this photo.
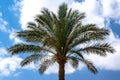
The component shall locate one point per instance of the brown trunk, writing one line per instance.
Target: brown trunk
(61, 71)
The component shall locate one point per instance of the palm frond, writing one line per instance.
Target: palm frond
(77, 53)
(86, 33)
(73, 20)
(31, 36)
(22, 48)
(46, 63)
(89, 37)
(100, 49)
(73, 61)
(46, 19)
(38, 27)
(32, 26)
(90, 66)
(31, 58)
(62, 12)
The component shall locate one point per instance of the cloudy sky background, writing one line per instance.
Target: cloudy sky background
(15, 14)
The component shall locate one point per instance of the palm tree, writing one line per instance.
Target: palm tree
(61, 38)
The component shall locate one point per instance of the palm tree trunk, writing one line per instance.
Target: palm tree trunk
(61, 71)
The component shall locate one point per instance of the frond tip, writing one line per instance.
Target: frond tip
(90, 66)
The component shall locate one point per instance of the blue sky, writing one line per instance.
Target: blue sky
(14, 15)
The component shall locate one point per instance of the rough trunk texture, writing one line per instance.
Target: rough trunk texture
(61, 71)
(61, 61)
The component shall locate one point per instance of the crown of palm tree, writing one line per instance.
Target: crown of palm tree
(63, 38)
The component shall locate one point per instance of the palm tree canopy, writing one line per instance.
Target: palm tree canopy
(63, 37)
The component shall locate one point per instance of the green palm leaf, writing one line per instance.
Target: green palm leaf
(31, 58)
(100, 49)
(46, 63)
(73, 61)
(90, 66)
(22, 48)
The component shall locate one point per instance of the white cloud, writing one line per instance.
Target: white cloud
(111, 8)
(9, 64)
(29, 10)
(92, 9)
(16, 7)
(97, 11)
(3, 24)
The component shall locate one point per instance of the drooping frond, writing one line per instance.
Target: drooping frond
(76, 53)
(46, 63)
(31, 58)
(79, 57)
(73, 61)
(90, 66)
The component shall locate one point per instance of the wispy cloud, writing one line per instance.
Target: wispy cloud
(16, 7)
(99, 12)
(3, 24)
(7, 64)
